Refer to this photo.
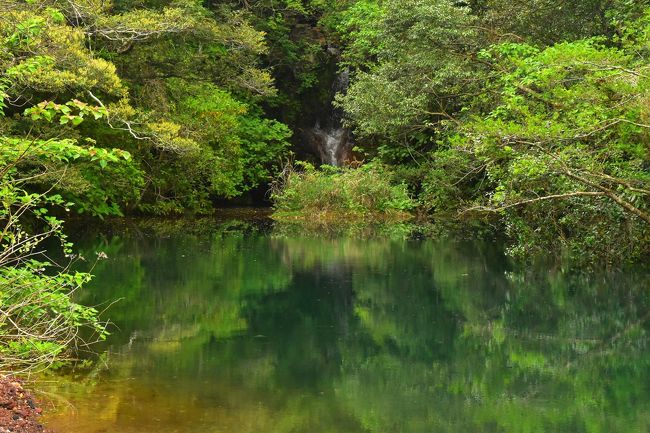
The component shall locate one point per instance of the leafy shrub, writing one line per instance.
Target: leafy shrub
(39, 321)
(329, 191)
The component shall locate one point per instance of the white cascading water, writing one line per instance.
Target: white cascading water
(334, 138)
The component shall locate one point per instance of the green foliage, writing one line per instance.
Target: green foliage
(421, 73)
(545, 21)
(72, 112)
(566, 147)
(223, 146)
(359, 27)
(330, 193)
(451, 180)
(41, 53)
(263, 143)
(75, 171)
(40, 321)
(207, 124)
(540, 129)
(201, 95)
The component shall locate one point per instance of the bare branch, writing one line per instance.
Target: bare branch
(535, 200)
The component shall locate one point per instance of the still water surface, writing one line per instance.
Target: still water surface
(240, 328)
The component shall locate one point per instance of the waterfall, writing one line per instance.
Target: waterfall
(332, 140)
(331, 143)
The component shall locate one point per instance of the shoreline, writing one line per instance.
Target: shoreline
(19, 412)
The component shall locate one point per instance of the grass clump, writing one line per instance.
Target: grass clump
(331, 193)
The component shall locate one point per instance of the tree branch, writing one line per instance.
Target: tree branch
(535, 200)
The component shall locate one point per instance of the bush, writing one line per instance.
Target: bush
(39, 321)
(330, 192)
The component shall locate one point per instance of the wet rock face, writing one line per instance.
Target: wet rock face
(18, 410)
(328, 138)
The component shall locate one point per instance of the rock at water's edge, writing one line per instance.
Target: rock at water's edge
(18, 411)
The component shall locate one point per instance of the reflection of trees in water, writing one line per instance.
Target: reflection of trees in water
(377, 335)
(566, 353)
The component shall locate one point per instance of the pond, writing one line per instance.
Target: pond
(241, 327)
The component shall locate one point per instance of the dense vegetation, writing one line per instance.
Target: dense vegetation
(484, 116)
(529, 116)
(536, 124)
(332, 195)
(109, 108)
(546, 128)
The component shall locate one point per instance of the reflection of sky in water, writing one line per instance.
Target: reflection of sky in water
(227, 328)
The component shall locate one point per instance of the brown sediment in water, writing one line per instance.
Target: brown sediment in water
(18, 410)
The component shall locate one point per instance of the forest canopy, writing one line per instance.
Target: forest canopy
(527, 117)
(181, 86)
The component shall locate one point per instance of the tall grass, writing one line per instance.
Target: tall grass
(331, 193)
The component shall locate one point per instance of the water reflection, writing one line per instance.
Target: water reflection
(235, 328)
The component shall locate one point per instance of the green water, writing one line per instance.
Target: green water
(241, 328)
